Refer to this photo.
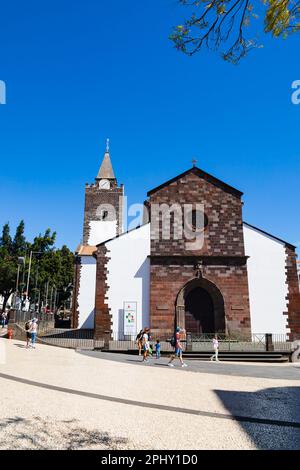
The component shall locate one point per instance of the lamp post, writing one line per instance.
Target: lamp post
(29, 269)
(20, 262)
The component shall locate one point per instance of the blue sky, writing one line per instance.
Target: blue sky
(78, 72)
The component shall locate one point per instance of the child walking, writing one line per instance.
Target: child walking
(157, 349)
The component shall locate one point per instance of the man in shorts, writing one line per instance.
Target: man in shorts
(178, 350)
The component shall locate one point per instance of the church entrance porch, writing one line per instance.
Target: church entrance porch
(200, 308)
(225, 300)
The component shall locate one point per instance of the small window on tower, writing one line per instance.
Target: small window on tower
(104, 215)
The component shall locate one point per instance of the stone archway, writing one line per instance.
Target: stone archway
(200, 304)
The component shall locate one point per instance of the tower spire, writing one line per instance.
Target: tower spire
(106, 170)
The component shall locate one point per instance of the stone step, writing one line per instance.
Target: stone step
(238, 356)
(244, 358)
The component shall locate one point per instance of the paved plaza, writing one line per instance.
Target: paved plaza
(55, 398)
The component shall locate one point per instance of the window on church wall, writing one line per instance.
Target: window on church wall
(104, 215)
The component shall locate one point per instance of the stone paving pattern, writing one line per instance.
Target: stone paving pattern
(155, 407)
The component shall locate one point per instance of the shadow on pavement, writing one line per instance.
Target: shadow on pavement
(39, 434)
(276, 404)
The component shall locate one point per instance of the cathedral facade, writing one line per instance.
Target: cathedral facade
(193, 263)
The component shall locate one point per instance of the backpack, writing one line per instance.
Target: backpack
(173, 342)
(139, 336)
(27, 326)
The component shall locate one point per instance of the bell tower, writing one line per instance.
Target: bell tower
(103, 211)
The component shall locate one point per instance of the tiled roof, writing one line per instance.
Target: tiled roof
(86, 250)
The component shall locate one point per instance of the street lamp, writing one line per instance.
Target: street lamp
(29, 269)
(20, 262)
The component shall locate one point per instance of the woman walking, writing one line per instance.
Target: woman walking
(146, 345)
(139, 340)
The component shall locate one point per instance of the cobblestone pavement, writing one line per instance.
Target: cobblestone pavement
(54, 398)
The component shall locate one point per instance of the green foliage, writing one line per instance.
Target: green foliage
(5, 240)
(282, 17)
(224, 25)
(44, 243)
(8, 266)
(19, 244)
(51, 269)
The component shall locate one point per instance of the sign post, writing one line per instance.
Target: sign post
(130, 314)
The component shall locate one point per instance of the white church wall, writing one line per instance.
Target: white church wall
(267, 282)
(100, 231)
(87, 292)
(128, 276)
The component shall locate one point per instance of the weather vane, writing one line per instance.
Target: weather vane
(194, 161)
(107, 145)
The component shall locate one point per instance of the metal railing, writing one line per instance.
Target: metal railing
(69, 338)
(20, 317)
(118, 341)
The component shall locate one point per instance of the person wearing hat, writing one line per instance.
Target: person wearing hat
(178, 350)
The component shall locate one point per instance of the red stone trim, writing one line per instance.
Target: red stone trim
(293, 297)
(103, 317)
(168, 259)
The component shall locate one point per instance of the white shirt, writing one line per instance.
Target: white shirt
(215, 343)
(145, 338)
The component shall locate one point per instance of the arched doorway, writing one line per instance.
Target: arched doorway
(199, 312)
(200, 308)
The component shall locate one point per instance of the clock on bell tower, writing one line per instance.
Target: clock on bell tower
(103, 211)
(104, 184)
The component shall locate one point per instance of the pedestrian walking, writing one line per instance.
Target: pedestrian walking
(146, 345)
(157, 349)
(139, 340)
(3, 319)
(215, 342)
(176, 343)
(33, 330)
(28, 333)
